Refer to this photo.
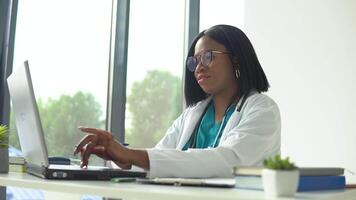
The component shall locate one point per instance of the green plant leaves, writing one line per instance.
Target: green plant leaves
(278, 163)
(4, 137)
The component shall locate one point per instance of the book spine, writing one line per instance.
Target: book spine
(308, 183)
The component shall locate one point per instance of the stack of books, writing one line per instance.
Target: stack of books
(17, 164)
(311, 178)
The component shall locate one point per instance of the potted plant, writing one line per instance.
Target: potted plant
(4, 149)
(280, 177)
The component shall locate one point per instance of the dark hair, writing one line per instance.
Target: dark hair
(243, 56)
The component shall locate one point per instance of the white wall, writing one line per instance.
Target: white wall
(308, 51)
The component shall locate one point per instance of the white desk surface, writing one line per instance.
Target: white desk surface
(128, 191)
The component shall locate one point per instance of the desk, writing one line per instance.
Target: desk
(133, 191)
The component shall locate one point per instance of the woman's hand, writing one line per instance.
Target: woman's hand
(102, 144)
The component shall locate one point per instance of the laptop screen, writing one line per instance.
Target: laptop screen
(28, 122)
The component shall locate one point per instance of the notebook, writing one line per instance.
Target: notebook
(32, 140)
(303, 171)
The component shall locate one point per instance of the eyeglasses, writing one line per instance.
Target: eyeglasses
(205, 58)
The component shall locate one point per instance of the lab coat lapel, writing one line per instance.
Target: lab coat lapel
(235, 117)
(191, 120)
(233, 121)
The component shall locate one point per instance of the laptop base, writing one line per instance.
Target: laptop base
(69, 172)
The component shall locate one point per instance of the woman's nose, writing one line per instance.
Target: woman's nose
(199, 67)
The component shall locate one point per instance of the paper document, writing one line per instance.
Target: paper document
(209, 182)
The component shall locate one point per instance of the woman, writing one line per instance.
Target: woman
(227, 122)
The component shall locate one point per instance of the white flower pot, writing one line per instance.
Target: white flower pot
(280, 182)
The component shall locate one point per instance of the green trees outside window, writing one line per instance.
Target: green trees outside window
(154, 103)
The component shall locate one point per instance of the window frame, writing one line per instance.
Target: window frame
(8, 18)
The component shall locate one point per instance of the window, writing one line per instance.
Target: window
(67, 45)
(155, 68)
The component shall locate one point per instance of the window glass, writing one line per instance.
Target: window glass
(67, 45)
(155, 64)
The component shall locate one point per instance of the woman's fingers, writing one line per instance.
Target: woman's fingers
(86, 153)
(95, 131)
(94, 143)
(83, 163)
(84, 141)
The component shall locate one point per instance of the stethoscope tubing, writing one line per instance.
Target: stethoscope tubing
(222, 123)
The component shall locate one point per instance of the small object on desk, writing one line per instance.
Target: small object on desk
(17, 164)
(58, 161)
(17, 160)
(123, 179)
(17, 168)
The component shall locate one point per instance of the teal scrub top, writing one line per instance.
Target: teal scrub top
(208, 130)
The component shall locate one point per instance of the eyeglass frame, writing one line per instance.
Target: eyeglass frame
(200, 58)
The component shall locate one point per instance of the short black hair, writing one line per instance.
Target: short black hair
(252, 76)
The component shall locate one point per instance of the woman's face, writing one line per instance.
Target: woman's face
(218, 76)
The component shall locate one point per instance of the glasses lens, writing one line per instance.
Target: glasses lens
(191, 63)
(205, 58)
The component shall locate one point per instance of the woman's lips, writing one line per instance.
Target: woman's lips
(202, 78)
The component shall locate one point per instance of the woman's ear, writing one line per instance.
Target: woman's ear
(235, 62)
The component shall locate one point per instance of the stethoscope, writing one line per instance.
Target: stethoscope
(193, 144)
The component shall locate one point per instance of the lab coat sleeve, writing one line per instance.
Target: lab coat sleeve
(256, 136)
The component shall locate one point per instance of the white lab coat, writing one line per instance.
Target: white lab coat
(249, 136)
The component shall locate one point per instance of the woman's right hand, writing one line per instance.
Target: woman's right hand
(102, 144)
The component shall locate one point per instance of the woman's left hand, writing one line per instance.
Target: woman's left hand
(102, 144)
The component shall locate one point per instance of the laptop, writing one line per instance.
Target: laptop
(32, 140)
